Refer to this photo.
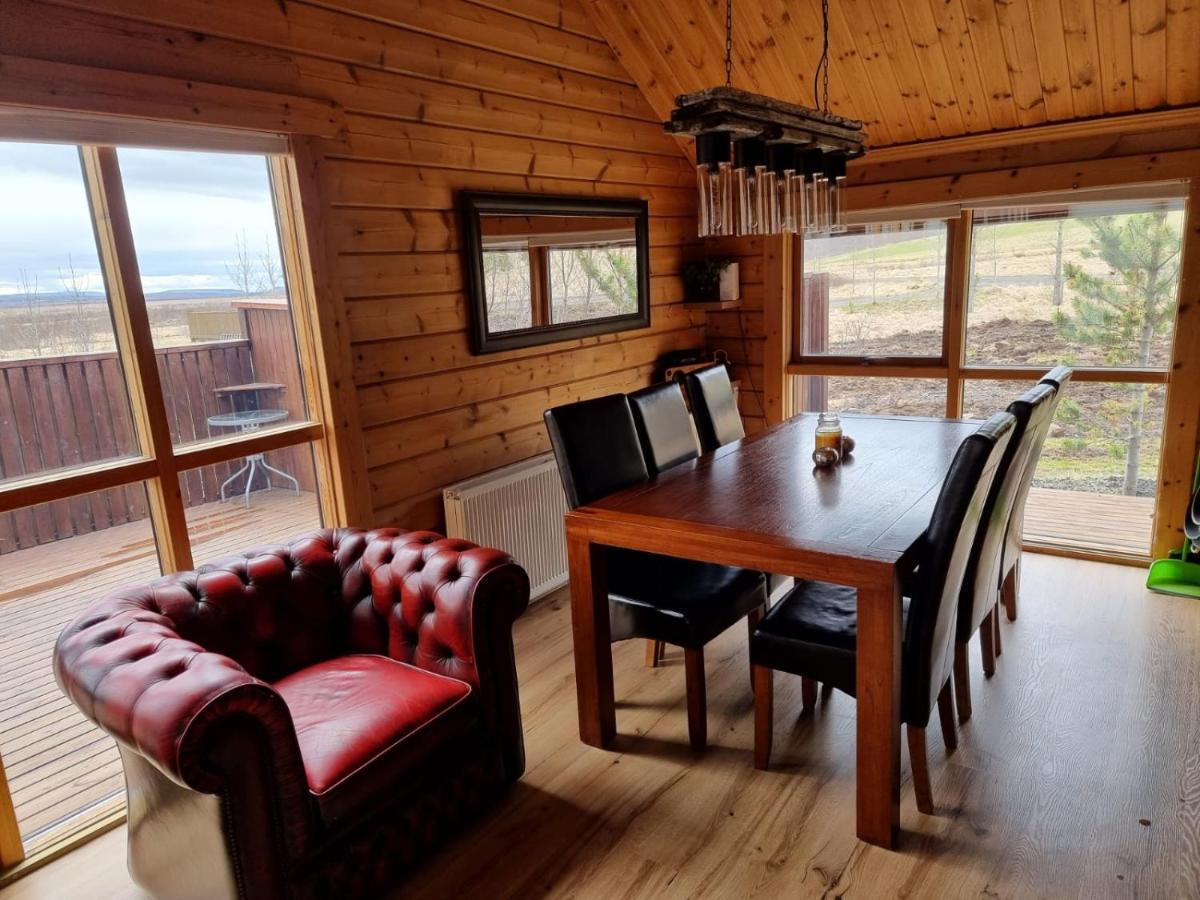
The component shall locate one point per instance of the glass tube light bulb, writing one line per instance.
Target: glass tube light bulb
(837, 215)
(813, 201)
(747, 183)
(799, 194)
(786, 201)
(724, 200)
(705, 201)
(767, 197)
(821, 190)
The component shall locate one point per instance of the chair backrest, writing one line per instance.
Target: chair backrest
(596, 445)
(929, 633)
(1059, 377)
(1031, 413)
(663, 426)
(714, 407)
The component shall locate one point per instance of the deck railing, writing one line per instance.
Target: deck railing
(64, 411)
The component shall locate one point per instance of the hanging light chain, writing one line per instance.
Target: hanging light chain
(728, 43)
(821, 75)
(759, 185)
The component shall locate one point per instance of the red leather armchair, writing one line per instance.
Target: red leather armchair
(305, 720)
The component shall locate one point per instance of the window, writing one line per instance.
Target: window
(63, 399)
(1090, 285)
(1096, 480)
(875, 291)
(591, 281)
(156, 359)
(1090, 282)
(875, 396)
(506, 275)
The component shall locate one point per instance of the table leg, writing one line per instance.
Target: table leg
(878, 673)
(593, 650)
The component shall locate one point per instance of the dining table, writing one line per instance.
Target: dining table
(761, 504)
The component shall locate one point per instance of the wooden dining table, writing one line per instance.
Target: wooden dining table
(759, 503)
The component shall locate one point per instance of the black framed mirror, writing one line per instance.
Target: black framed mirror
(542, 268)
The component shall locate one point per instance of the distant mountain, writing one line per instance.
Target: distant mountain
(214, 294)
(99, 297)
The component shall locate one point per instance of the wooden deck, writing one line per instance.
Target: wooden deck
(65, 773)
(1098, 522)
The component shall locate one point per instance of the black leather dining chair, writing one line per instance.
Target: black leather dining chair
(664, 427)
(1010, 577)
(714, 407)
(978, 606)
(662, 598)
(813, 631)
(668, 438)
(718, 422)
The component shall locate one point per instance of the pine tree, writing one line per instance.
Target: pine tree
(1124, 311)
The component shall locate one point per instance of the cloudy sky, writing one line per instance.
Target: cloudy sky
(187, 211)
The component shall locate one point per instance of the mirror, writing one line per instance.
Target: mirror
(544, 269)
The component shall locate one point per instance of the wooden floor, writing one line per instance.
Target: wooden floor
(1079, 775)
(65, 773)
(1081, 521)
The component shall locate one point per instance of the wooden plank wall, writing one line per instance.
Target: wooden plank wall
(742, 332)
(521, 95)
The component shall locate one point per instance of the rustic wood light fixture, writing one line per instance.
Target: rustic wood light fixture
(764, 166)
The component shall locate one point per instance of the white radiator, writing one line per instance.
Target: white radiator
(518, 509)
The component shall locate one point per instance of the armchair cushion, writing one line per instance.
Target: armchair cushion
(364, 720)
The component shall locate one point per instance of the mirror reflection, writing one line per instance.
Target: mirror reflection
(550, 270)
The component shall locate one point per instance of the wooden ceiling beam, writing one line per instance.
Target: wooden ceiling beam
(1164, 120)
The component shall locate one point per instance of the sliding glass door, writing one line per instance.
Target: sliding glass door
(154, 412)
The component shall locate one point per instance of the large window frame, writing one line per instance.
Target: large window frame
(158, 464)
(1180, 376)
(879, 361)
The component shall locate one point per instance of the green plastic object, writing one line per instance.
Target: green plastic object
(1174, 576)
(1179, 574)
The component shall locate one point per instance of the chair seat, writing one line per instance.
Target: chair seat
(812, 631)
(678, 601)
(361, 721)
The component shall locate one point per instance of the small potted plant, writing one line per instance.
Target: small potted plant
(707, 280)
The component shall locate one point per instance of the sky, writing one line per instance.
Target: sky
(187, 211)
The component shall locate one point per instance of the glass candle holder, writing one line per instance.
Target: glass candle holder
(829, 432)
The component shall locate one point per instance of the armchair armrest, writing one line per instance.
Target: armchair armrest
(173, 702)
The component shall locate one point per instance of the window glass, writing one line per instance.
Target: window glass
(875, 291)
(268, 498)
(1095, 482)
(63, 772)
(506, 276)
(63, 401)
(877, 396)
(209, 256)
(1088, 285)
(593, 282)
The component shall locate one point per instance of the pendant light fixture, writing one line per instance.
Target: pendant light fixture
(764, 166)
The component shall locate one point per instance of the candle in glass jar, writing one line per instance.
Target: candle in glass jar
(829, 432)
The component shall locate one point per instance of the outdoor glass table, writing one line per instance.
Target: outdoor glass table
(252, 420)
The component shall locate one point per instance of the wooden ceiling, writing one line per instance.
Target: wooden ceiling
(918, 70)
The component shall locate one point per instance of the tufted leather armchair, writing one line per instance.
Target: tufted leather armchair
(305, 720)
